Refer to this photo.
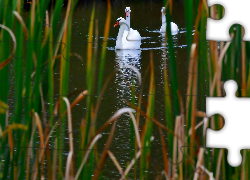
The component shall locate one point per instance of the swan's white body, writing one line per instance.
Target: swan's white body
(127, 39)
(174, 27)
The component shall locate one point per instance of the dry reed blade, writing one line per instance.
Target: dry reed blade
(86, 155)
(164, 151)
(155, 121)
(69, 124)
(210, 174)
(138, 144)
(111, 120)
(218, 167)
(112, 157)
(198, 164)
(20, 19)
(138, 154)
(194, 58)
(136, 71)
(136, 129)
(68, 164)
(196, 127)
(180, 144)
(41, 157)
(5, 62)
(104, 154)
(14, 126)
(30, 154)
(46, 33)
(198, 16)
(79, 98)
(71, 152)
(200, 114)
(217, 75)
(11, 143)
(243, 166)
(175, 145)
(205, 120)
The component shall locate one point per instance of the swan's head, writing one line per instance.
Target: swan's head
(127, 11)
(163, 10)
(119, 20)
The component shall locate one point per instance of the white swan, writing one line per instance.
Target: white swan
(127, 39)
(174, 27)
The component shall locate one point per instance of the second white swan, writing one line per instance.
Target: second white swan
(174, 27)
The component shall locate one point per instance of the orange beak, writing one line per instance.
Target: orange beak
(116, 24)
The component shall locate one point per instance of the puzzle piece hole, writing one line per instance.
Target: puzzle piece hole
(216, 122)
(217, 12)
(237, 30)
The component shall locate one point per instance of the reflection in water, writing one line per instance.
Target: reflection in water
(165, 60)
(164, 54)
(126, 61)
(125, 75)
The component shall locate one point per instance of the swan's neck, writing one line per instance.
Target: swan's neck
(120, 34)
(128, 22)
(163, 19)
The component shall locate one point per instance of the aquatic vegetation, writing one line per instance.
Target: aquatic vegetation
(36, 128)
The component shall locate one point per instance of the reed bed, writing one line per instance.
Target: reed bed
(184, 153)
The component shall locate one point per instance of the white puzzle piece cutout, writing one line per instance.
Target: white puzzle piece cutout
(236, 12)
(235, 134)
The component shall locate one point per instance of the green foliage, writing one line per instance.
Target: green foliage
(218, 61)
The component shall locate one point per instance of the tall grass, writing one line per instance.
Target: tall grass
(213, 63)
(184, 155)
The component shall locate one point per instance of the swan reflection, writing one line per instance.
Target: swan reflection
(128, 63)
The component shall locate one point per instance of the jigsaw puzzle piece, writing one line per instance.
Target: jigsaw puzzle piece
(219, 29)
(225, 138)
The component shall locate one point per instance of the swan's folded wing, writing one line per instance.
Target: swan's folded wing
(125, 34)
(134, 35)
(130, 40)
